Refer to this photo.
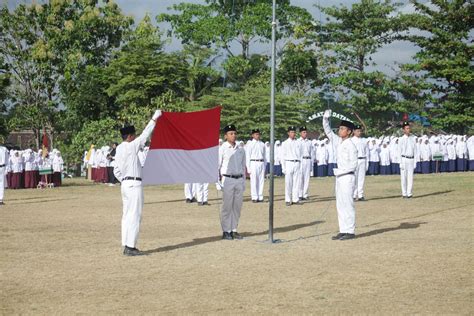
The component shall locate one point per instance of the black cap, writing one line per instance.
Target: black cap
(302, 128)
(127, 130)
(357, 126)
(405, 123)
(291, 129)
(347, 124)
(255, 131)
(230, 128)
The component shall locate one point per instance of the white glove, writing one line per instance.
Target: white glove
(327, 114)
(156, 115)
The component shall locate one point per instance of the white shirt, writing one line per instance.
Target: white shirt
(384, 156)
(407, 146)
(127, 163)
(58, 163)
(334, 141)
(255, 149)
(290, 150)
(3, 156)
(361, 145)
(322, 155)
(307, 148)
(425, 152)
(231, 159)
(346, 158)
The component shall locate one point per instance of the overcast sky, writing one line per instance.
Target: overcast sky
(385, 58)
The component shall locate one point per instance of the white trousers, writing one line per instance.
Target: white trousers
(360, 178)
(257, 179)
(3, 175)
(306, 166)
(202, 191)
(292, 181)
(407, 166)
(190, 190)
(132, 199)
(232, 199)
(345, 203)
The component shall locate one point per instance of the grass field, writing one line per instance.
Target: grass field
(61, 253)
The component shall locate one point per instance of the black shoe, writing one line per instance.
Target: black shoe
(189, 201)
(193, 200)
(288, 203)
(236, 235)
(409, 197)
(338, 236)
(127, 251)
(362, 199)
(254, 201)
(347, 236)
(227, 236)
(205, 203)
(1, 203)
(304, 199)
(260, 201)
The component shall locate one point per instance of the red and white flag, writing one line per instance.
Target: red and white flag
(184, 148)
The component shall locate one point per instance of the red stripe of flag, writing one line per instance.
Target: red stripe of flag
(187, 131)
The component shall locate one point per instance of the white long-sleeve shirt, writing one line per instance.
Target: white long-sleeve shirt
(291, 149)
(361, 144)
(322, 155)
(374, 152)
(231, 160)
(346, 158)
(255, 150)
(307, 149)
(425, 152)
(127, 163)
(407, 146)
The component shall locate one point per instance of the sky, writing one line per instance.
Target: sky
(385, 58)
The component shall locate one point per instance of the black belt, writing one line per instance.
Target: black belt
(233, 176)
(361, 157)
(261, 160)
(1, 166)
(307, 157)
(409, 157)
(293, 160)
(132, 178)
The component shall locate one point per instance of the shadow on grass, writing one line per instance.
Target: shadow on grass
(205, 240)
(390, 229)
(414, 197)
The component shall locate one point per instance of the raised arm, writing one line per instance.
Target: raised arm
(140, 141)
(327, 128)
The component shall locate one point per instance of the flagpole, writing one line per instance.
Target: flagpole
(272, 127)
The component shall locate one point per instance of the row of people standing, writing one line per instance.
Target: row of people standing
(27, 169)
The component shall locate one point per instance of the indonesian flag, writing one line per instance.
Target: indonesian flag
(184, 148)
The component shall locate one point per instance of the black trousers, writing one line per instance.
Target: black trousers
(110, 172)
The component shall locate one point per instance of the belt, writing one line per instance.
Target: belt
(307, 157)
(293, 160)
(233, 176)
(361, 157)
(409, 157)
(261, 160)
(1, 166)
(132, 178)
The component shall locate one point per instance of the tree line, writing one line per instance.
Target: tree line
(81, 69)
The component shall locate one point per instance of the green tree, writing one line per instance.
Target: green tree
(350, 37)
(445, 59)
(141, 71)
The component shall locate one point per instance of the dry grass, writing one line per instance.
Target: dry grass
(61, 253)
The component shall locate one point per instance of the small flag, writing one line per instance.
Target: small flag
(184, 148)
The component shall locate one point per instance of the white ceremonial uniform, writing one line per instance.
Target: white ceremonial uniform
(190, 190)
(4, 157)
(255, 153)
(202, 192)
(407, 163)
(362, 163)
(346, 155)
(291, 156)
(232, 171)
(308, 157)
(127, 166)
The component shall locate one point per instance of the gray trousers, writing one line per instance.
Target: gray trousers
(232, 199)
